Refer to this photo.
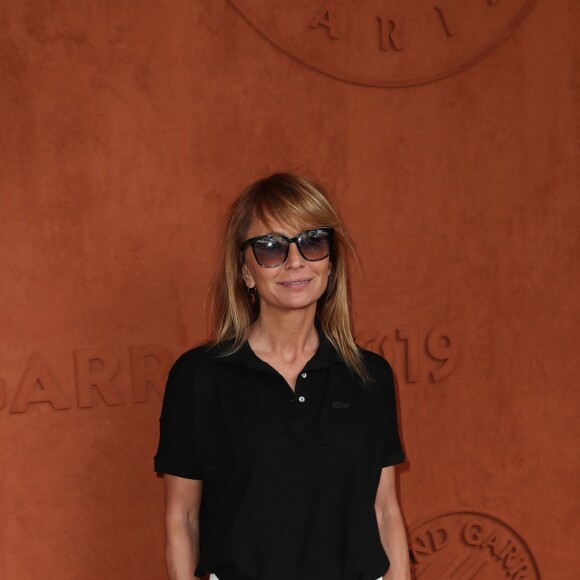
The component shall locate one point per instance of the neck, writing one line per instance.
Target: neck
(288, 331)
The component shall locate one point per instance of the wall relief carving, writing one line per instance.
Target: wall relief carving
(467, 545)
(386, 44)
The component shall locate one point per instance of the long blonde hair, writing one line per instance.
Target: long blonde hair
(298, 202)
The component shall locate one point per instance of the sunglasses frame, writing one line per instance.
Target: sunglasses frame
(252, 243)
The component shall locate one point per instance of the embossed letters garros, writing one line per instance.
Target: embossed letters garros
(149, 368)
(38, 385)
(96, 374)
(95, 371)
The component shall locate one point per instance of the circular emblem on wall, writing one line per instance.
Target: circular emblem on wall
(470, 545)
(389, 43)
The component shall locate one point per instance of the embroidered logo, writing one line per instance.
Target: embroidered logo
(340, 406)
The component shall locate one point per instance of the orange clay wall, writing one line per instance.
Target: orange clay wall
(447, 133)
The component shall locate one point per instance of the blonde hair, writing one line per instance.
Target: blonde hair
(298, 202)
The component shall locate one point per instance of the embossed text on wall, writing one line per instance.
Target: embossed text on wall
(399, 43)
(412, 353)
(95, 372)
(470, 545)
(415, 356)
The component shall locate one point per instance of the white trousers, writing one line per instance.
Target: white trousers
(214, 577)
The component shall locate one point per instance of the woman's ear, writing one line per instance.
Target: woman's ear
(247, 277)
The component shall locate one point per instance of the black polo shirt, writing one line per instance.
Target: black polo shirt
(289, 478)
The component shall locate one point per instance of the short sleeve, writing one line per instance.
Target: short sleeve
(176, 453)
(385, 425)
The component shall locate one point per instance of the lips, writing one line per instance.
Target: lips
(295, 283)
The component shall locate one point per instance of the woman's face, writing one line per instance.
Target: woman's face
(296, 284)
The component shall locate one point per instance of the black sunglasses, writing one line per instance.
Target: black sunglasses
(272, 250)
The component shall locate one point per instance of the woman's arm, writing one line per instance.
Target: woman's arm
(391, 527)
(182, 501)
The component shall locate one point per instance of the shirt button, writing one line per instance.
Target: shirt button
(302, 399)
(304, 375)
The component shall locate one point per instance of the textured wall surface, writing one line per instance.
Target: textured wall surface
(128, 127)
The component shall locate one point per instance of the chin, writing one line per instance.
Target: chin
(299, 303)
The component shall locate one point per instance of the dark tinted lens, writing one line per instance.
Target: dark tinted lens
(270, 251)
(315, 244)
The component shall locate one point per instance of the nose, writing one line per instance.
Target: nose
(295, 259)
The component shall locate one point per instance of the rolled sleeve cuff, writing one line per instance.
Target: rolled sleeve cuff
(161, 466)
(392, 458)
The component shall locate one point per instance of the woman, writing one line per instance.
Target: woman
(279, 438)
